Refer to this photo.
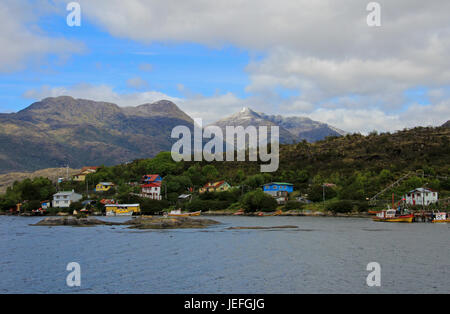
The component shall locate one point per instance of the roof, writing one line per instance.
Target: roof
(151, 185)
(278, 183)
(150, 177)
(107, 205)
(106, 183)
(421, 190)
(89, 168)
(214, 184)
(65, 193)
(184, 195)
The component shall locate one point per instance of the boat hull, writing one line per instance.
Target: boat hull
(441, 221)
(407, 219)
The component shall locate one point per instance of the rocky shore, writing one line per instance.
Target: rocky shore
(169, 222)
(136, 223)
(74, 221)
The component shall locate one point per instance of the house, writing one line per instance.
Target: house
(151, 190)
(81, 176)
(421, 196)
(218, 186)
(151, 178)
(279, 190)
(184, 198)
(64, 199)
(122, 209)
(45, 204)
(104, 186)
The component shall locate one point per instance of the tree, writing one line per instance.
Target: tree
(258, 200)
(210, 173)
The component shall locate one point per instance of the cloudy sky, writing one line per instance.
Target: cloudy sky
(293, 57)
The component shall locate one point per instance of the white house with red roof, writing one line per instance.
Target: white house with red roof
(151, 187)
(421, 196)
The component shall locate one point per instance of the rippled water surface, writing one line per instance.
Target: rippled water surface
(325, 255)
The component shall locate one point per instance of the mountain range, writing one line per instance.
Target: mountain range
(291, 129)
(62, 130)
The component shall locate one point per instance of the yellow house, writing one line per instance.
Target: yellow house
(218, 186)
(122, 209)
(81, 177)
(104, 186)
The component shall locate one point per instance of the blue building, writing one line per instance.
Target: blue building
(279, 190)
(278, 187)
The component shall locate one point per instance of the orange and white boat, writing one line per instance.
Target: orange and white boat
(178, 213)
(441, 218)
(277, 213)
(391, 215)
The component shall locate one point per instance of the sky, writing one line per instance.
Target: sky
(318, 59)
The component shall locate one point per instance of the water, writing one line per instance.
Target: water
(325, 255)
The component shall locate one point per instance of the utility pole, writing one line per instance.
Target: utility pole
(323, 195)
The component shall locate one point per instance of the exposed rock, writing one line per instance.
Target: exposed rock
(73, 221)
(169, 222)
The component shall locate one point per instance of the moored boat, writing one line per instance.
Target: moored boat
(441, 218)
(391, 215)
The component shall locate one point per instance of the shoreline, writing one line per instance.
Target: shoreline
(291, 213)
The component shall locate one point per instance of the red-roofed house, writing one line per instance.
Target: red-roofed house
(152, 190)
(218, 186)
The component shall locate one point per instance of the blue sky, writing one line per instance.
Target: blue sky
(113, 61)
(287, 57)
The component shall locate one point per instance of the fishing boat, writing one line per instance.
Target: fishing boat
(391, 215)
(239, 212)
(441, 218)
(178, 213)
(277, 213)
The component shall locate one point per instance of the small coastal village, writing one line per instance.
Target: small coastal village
(86, 194)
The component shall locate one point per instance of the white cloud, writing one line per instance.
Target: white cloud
(323, 49)
(21, 41)
(346, 73)
(365, 121)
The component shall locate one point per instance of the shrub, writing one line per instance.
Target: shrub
(258, 200)
(149, 206)
(340, 207)
(293, 205)
(205, 205)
